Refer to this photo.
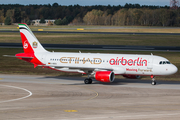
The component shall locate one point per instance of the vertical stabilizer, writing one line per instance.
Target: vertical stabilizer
(29, 41)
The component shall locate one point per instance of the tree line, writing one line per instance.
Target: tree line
(143, 17)
(129, 14)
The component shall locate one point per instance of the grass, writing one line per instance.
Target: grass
(136, 30)
(92, 28)
(16, 66)
(97, 39)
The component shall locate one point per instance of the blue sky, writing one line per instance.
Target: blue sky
(88, 2)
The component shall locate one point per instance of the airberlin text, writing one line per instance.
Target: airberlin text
(129, 62)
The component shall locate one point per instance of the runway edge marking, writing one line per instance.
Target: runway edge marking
(12, 100)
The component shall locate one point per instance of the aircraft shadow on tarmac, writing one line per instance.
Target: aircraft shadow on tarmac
(116, 81)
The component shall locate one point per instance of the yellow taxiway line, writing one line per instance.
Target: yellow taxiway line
(70, 111)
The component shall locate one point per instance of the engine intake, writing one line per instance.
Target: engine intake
(105, 76)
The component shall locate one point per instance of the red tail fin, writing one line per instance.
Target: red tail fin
(29, 41)
(26, 46)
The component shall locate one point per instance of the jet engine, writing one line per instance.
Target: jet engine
(104, 76)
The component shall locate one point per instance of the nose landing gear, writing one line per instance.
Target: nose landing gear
(153, 80)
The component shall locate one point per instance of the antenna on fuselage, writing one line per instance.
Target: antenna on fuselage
(151, 54)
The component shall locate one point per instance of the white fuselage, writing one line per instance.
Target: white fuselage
(119, 63)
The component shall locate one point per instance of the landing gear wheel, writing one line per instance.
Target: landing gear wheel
(153, 80)
(153, 83)
(88, 81)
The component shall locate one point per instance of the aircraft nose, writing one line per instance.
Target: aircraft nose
(174, 69)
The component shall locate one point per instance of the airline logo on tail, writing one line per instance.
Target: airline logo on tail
(35, 44)
(25, 44)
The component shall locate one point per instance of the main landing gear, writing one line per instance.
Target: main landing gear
(88, 81)
(153, 80)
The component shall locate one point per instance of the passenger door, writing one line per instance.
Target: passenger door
(150, 63)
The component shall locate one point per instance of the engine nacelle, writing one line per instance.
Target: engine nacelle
(104, 76)
(132, 76)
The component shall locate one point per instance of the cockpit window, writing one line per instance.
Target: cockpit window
(164, 62)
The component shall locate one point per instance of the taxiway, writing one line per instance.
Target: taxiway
(30, 97)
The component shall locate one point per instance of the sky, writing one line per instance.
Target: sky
(88, 2)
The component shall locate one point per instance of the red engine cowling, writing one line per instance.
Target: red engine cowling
(105, 76)
(132, 76)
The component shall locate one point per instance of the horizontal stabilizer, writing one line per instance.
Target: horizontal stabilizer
(17, 56)
(9, 55)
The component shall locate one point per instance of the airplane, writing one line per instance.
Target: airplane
(102, 67)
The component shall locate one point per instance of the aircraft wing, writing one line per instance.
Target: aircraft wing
(88, 69)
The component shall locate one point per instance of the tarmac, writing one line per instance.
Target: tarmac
(32, 97)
